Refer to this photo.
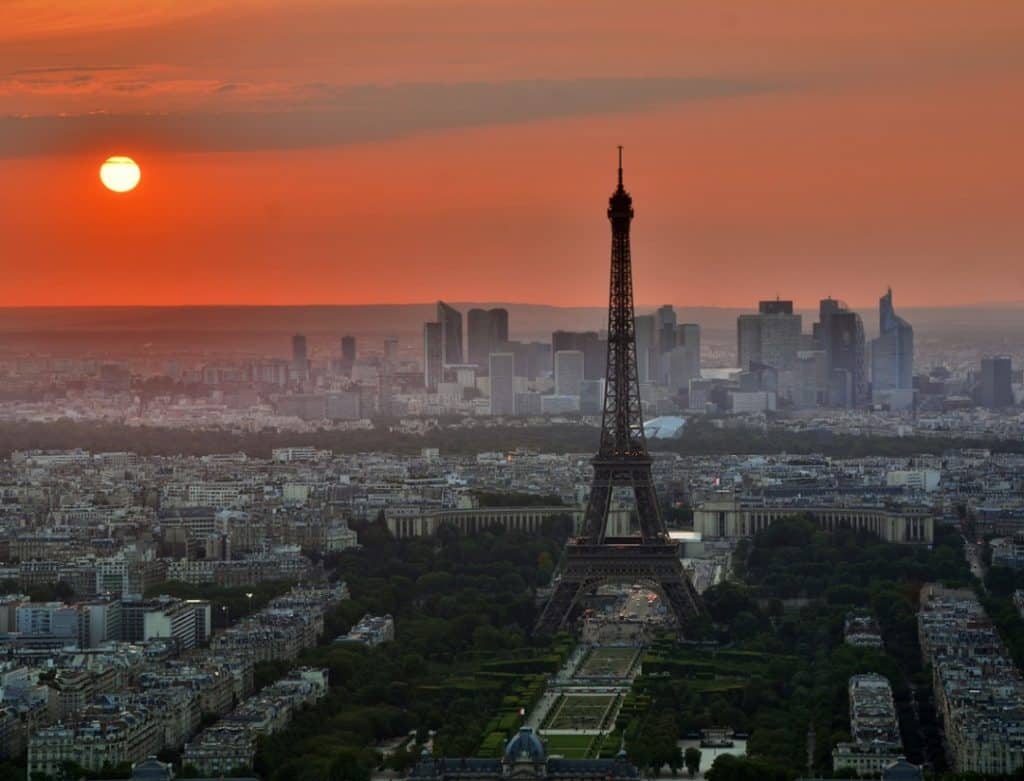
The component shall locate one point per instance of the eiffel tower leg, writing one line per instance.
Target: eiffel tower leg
(557, 610)
(648, 512)
(683, 600)
(596, 518)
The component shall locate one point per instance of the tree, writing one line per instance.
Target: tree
(692, 760)
(732, 768)
(675, 759)
(347, 767)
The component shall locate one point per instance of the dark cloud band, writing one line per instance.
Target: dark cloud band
(325, 115)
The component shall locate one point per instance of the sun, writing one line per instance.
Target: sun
(120, 174)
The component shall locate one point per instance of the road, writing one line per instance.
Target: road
(972, 552)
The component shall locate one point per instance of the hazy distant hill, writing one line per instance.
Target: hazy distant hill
(267, 328)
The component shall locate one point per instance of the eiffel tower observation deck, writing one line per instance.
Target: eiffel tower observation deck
(593, 558)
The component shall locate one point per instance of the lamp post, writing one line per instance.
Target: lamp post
(249, 595)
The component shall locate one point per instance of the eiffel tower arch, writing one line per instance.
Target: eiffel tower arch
(593, 558)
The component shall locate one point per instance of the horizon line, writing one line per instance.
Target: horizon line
(319, 305)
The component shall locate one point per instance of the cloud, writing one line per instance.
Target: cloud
(66, 69)
(323, 115)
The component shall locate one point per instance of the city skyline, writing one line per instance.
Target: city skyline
(828, 151)
(739, 492)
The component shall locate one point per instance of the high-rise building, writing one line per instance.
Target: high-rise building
(811, 380)
(591, 397)
(826, 308)
(531, 357)
(348, 351)
(840, 333)
(451, 333)
(386, 378)
(528, 403)
(646, 348)
(892, 353)
(593, 347)
(683, 360)
(300, 356)
(666, 320)
(771, 337)
(748, 340)
(569, 372)
(688, 335)
(433, 353)
(996, 388)
(846, 357)
(478, 337)
(391, 351)
(486, 331)
(299, 349)
(502, 370)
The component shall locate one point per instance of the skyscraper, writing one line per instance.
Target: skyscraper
(589, 343)
(300, 356)
(486, 331)
(501, 367)
(840, 333)
(386, 377)
(591, 397)
(666, 317)
(478, 337)
(348, 351)
(771, 337)
(531, 357)
(645, 347)
(451, 333)
(432, 355)
(892, 353)
(683, 360)
(568, 372)
(748, 340)
(846, 359)
(391, 351)
(996, 382)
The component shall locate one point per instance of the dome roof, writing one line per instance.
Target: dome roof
(525, 745)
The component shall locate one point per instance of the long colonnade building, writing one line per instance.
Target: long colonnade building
(730, 516)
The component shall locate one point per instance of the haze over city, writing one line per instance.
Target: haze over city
(478, 390)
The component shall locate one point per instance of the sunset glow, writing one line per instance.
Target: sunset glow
(405, 151)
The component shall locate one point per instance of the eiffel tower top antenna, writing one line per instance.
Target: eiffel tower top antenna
(620, 165)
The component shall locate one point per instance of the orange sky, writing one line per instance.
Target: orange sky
(357, 151)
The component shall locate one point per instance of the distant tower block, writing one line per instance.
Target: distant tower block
(594, 558)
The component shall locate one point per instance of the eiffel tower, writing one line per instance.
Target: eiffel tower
(593, 558)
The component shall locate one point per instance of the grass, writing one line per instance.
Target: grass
(581, 711)
(613, 662)
(570, 746)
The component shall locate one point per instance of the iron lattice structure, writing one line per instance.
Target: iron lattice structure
(622, 460)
